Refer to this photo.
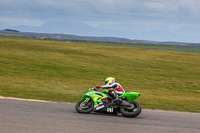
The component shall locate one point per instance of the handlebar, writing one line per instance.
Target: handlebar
(94, 89)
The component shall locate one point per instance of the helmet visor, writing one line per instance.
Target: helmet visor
(106, 82)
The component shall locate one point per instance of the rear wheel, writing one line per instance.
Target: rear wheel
(132, 111)
(83, 107)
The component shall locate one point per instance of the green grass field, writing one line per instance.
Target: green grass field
(59, 71)
(175, 48)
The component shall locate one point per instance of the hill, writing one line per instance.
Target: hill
(11, 30)
(63, 71)
(65, 37)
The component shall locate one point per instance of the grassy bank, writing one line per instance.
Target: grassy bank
(60, 71)
(175, 48)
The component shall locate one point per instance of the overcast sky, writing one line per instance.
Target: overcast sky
(176, 16)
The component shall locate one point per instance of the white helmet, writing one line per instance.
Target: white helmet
(109, 80)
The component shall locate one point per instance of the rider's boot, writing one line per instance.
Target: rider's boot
(117, 101)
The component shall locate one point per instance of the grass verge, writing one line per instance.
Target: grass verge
(175, 48)
(59, 71)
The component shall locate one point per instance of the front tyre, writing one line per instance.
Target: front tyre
(83, 107)
(132, 111)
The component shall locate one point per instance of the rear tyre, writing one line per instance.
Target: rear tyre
(132, 111)
(81, 107)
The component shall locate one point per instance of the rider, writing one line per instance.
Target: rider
(115, 89)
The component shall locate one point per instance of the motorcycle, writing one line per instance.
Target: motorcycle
(96, 101)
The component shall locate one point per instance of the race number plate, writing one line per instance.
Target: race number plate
(109, 109)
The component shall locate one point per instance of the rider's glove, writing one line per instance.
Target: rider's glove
(98, 87)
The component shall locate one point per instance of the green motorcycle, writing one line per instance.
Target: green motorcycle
(96, 101)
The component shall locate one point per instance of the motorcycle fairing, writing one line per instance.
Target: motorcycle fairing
(131, 95)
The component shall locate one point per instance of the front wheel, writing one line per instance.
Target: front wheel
(82, 107)
(132, 111)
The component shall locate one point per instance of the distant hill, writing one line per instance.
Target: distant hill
(11, 30)
(16, 33)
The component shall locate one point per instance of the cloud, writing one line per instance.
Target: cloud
(103, 10)
(123, 15)
(12, 21)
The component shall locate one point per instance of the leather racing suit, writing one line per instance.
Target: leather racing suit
(115, 89)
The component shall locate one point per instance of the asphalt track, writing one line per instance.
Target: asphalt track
(19, 116)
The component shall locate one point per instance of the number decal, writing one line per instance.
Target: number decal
(109, 109)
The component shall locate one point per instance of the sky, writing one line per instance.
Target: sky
(159, 20)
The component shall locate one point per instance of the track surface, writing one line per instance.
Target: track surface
(18, 116)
